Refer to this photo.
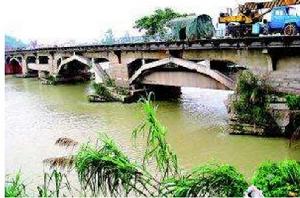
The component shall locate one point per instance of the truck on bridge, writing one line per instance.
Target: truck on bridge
(250, 19)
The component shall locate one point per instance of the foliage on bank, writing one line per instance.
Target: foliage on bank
(157, 147)
(211, 180)
(278, 179)
(108, 171)
(59, 179)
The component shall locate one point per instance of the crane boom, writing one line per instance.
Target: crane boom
(267, 5)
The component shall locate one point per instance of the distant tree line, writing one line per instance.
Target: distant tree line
(13, 43)
(152, 26)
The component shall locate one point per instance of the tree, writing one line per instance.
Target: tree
(108, 37)
(155, 23)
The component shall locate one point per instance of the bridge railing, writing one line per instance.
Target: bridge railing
(119, 40)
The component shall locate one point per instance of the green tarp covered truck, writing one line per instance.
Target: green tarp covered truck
(191, 27)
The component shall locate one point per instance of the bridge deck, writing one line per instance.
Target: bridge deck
(224, 43)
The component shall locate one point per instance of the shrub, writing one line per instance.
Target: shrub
(122, 91)
(102, 90)
(110, 82)
(278, 179)
(208, 180)
(293, 101)
(108, 171)
(15, 188)
(156, 146)
(54, 179)
(52, 79)
(251, 103)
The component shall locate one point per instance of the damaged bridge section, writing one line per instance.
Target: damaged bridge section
(181, 73)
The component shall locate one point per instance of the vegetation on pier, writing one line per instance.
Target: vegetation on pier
(293, 101)
(250, 107)
(50, 80)
(107, 91)
(102, 90)
(104, 170)
(251, 102)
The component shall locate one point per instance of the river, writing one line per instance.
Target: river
(36, 115)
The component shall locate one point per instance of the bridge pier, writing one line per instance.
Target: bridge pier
(24, 66)
(119, 72)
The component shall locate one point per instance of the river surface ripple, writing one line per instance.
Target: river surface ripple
(36, 115)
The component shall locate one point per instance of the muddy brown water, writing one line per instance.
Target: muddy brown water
(36, 115)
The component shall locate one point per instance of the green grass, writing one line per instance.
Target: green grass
(211, 180)
(15, 187)
(280, 179)
(57, 178)
(157, 147)
(105, 170)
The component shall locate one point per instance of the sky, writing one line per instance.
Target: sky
(55, 21)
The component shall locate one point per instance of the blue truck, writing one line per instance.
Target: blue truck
(284, 20)
(250, 18)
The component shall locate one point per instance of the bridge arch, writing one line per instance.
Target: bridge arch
(15, 60)
(14, 66)
(134, 65)
(74, 68)
(31, 59)
(180, 73)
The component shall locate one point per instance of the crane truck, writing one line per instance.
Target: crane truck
(250, 19)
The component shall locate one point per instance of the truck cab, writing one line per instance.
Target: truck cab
(285, 20)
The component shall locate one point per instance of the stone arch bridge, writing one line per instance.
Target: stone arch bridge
(201, 63)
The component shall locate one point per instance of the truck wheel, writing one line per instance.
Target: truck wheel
(290, 30)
